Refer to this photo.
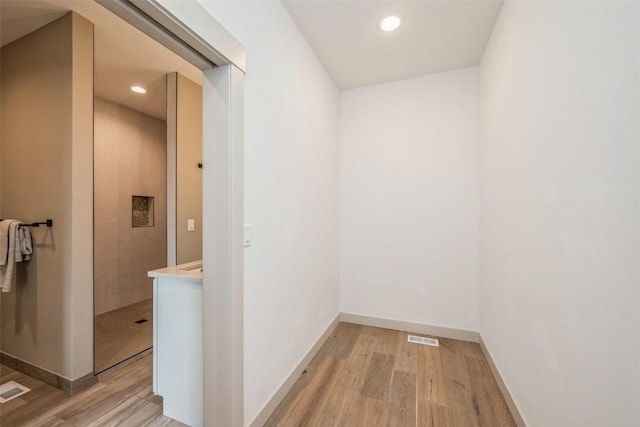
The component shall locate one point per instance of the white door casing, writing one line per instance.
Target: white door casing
(189, 30)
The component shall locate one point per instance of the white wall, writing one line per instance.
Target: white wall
(560, 210)
(291, 195)
(409, 200)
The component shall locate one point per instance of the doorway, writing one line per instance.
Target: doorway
(186, 28)
(130, 219)
(138, 178)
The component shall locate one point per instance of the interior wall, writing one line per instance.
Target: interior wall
(130, 159)
(409, 200)
(47, 151)
(291, 195)
(189, 176)
(560, 210)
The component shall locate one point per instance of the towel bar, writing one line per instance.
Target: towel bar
(48, 223)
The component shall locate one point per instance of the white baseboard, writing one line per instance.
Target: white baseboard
(416, 328)
(273, 403)
(511, 404)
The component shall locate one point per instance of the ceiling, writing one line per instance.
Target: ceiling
(124, 56)
(435, 36)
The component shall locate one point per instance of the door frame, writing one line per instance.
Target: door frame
(190, 31)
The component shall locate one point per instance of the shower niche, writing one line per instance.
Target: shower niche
(142, 211)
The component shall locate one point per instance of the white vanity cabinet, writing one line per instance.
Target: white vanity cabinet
(177, 341)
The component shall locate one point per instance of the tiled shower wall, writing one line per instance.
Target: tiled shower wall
(130, 159)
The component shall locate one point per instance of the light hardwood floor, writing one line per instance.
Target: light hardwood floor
(361, 376)
(364, 376)
(124, 398)
(118, 337)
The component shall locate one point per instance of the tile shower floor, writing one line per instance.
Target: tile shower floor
(118, 336)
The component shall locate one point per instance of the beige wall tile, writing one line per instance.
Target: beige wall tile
(130, 160)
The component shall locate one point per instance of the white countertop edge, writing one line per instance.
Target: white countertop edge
(190, 271)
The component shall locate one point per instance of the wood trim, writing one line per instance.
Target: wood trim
(416, 328)
(511, 404)
(27, 368)
(76, 386)
(48, 377)
(280, 394)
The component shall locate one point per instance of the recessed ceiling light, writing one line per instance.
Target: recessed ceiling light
(138, 89)
(390, 23)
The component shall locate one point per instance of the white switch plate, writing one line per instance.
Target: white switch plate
(191, 225)
(247, 235)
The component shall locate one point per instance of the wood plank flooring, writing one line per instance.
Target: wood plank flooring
(364, 376)
(361, 376)
(124, 398)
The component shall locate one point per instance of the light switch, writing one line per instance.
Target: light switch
(247, 235)
(191, 225)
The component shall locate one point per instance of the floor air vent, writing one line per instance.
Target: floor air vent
(422, 340)
(11, 390)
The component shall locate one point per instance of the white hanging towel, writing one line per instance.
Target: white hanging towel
(26, 245)
(15, 246)
(8, 241)
(4, 241)
(23, 248)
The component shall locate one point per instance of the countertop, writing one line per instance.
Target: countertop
(191, 272)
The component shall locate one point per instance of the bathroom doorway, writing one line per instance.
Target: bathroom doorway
(58, 332)
(147, 148)
(130, 219)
